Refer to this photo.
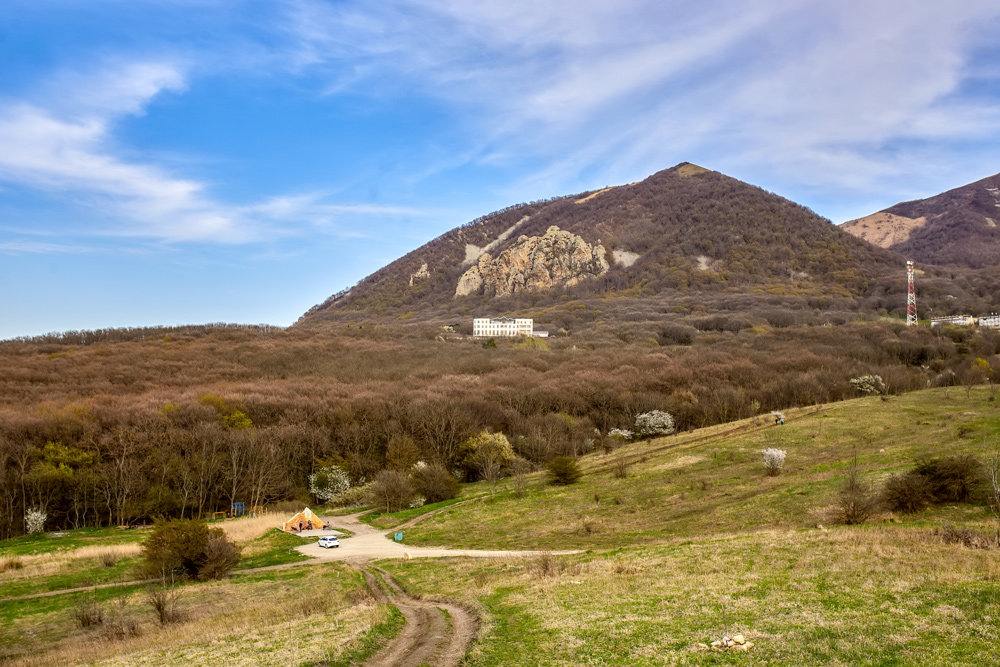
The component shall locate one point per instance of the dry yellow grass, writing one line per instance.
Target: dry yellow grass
(47, 564)
(249, 528)
(268, 621)
(592, 195)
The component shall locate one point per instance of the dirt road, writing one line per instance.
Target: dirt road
(436, 633)
(368, 544)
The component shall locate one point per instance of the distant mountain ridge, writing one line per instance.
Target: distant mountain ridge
(955, 228)
(682, 230)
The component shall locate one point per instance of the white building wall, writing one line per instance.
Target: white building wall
(502, 327)
(958, 320)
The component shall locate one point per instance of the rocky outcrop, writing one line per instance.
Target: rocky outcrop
(421, 274)
(536, 263)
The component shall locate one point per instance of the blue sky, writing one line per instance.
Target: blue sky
(185, 161)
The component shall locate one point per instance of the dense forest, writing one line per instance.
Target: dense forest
(120, 427)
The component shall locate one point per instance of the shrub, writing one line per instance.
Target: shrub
(563, 470)
(676, 334)
(869, 384)
(219, 557)
(88, 613)
(435, 483)
(353, 497)
(163, 601)
(391, 491)
(237, 421)
(620, 434)
(11, 563)
(487, 455)
(519, 470)
(547, 565)
(120, 626)
(967, 537)
(329, 482)
(942, 480)
(620, 467)
(952, 478)
(109, 559)
(856, 501)
(175, 547)
(774, 460)
(185, 547)
(907, 492)
(654, 422)
(34, 521)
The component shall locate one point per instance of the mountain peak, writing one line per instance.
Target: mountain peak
(680, 231)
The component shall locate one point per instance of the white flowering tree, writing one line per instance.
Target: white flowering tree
(774, 460)
(620, 434)
(34, 521)
(869, 384)
(328, 482)
(653, 423)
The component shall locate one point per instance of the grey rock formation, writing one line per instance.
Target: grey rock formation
(536, 263)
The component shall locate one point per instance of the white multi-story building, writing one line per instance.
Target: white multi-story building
(501, 326)
(957, 320)
(989, 321)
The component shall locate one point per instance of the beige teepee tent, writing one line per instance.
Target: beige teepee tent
(301, 521)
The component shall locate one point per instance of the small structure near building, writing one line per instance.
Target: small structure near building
(304, 520)
(505, 327)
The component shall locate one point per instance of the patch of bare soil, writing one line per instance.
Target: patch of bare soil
(884, 229)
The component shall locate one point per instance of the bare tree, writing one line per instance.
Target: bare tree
(122, 475)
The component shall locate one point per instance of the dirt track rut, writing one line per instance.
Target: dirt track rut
(436, 633)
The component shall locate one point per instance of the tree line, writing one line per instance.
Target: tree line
(118, 433)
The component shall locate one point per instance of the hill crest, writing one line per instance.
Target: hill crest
(955, 228)
(682, 230)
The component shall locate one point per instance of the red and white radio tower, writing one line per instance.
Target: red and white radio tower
(911, 296)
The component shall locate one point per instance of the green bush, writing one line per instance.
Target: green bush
(185, 547)
(563, 470)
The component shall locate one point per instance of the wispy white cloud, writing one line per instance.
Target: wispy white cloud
(800, 92)
(42, 248)
(64, 143)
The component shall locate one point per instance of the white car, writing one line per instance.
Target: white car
(329, 541)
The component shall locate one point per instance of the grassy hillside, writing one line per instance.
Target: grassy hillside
(695, 541)
(698, 542)
(712, 479)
